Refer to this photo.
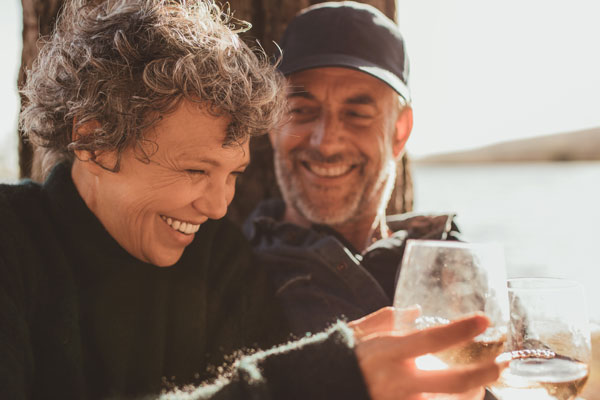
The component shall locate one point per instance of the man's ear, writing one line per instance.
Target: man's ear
(98, 158)
(404, 124)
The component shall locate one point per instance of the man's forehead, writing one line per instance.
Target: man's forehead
(354, 86)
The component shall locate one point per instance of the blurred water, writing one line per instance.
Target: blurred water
(547, 215)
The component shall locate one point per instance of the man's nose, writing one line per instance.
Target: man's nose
(214, 200)
(327, 133)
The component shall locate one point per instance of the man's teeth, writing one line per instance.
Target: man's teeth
(184, 227)
(330, 171)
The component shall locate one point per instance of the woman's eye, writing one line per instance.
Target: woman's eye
(233, 177)
(237, 174)
(195, 171)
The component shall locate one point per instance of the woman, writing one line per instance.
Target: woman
(144, 109)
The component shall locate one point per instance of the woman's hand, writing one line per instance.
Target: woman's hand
(387, 358)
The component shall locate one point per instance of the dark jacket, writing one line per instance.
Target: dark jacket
(81, 318)
(320, 277)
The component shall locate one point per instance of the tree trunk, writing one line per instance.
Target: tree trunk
(269, 19)
(39, 17)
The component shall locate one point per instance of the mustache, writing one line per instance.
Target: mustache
(314, 155)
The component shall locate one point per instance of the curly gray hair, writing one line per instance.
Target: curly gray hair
(124, 63)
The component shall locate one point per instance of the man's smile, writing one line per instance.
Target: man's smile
(329, 170)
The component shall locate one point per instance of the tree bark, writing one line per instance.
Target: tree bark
(269, 19)
(39, 17)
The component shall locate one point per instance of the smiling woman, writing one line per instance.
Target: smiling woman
(153, 209)
(144, 110)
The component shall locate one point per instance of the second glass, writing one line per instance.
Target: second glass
(548, 341)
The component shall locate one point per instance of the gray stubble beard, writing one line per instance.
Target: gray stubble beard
(355, 202)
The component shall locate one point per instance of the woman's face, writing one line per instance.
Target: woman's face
(154, 209)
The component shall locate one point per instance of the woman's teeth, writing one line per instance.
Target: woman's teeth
(184, 227)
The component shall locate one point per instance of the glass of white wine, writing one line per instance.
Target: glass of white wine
(449, 280)
(548, 340)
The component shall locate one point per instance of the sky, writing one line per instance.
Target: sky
(487, 71)
(482, 71)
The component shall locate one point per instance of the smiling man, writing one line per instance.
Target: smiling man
(329, 247)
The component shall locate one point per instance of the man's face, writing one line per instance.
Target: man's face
(154, 209)
(336, 152)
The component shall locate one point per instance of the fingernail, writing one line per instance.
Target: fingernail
(479, 322)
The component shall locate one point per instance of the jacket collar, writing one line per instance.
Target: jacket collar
(267, 219)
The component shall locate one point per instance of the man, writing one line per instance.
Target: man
(329, 247)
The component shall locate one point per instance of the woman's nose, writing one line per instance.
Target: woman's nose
(214, 201)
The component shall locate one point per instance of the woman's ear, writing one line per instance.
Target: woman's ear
(403, 126)
(80, 130)
(99, 159)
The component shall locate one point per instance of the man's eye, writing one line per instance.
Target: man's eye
(356, 114)
(303, 114)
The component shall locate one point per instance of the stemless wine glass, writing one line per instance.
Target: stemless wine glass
(449, 280)
(548, 340)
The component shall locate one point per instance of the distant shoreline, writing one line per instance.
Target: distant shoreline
(564, 147)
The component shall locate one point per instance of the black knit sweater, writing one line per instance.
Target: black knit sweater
(81, 318)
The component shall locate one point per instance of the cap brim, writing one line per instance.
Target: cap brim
(346, 61)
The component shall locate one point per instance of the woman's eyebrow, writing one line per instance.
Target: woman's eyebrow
(216, 163)
(191, 157)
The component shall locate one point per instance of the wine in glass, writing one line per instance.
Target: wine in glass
(449, 280)
(548, 340)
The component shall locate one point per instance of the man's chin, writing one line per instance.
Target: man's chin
(325, 214)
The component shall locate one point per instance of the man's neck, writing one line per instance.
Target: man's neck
(360, 232)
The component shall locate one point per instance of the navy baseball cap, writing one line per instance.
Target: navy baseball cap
(350, 35)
